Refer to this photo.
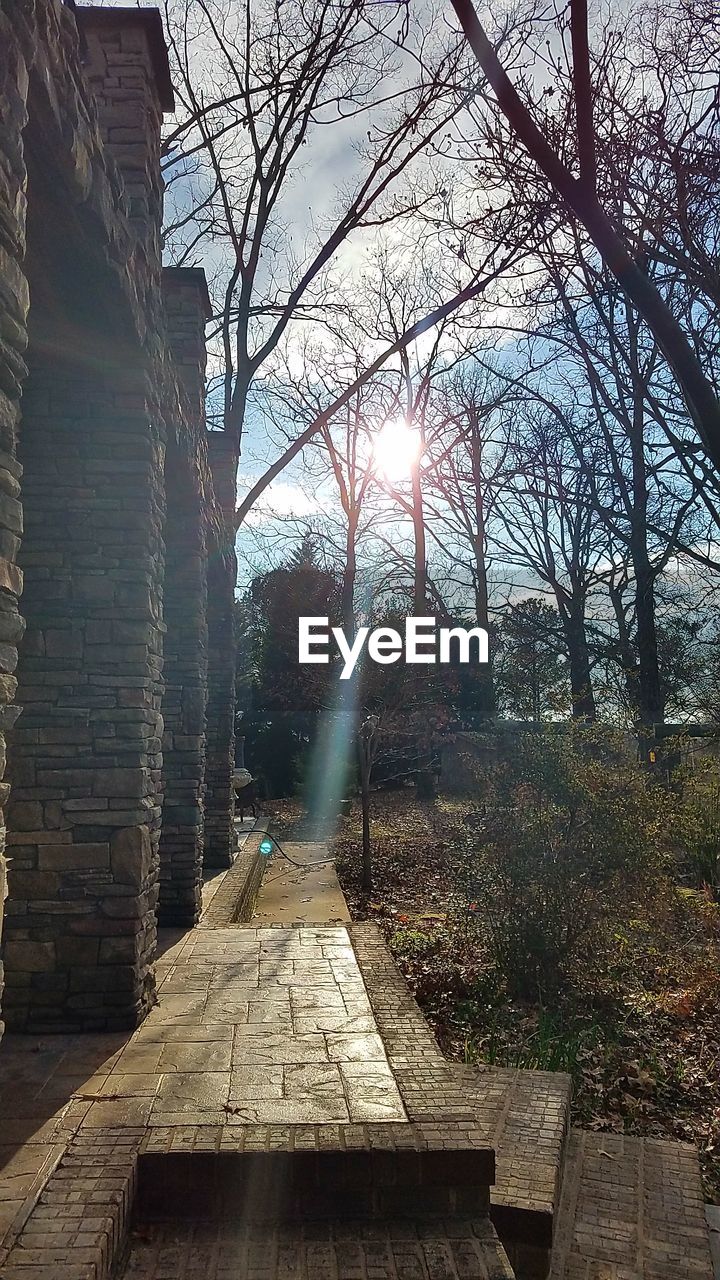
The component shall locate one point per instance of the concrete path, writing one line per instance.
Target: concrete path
(253, 1024)
(256, 1026)
(291, 895)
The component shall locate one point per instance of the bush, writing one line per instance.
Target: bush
(571, 835)
(699, 824)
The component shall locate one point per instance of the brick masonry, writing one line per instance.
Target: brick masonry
(522, 1115)
(630, 1209)
(465, 1249)
(78, 1229)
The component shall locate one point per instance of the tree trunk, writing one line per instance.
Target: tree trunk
(488, 705)
(348, 582)
(626, 653)
(367, 867)
(236, 405)
(420, 559)
(424, 780)
(583, 697)
(651, 701)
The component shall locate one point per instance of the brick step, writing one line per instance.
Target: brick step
(523, 1116)
(321, 1172)
(631, 1209)
(459, 1249)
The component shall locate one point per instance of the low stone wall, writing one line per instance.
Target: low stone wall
(234, 901)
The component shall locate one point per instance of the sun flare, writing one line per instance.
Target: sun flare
(396, 449)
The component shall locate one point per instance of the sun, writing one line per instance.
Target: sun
(395, 450)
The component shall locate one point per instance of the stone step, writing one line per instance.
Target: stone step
(459, 1249)
(317, 1172)
(631, 1209)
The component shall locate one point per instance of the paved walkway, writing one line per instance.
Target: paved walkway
(254, 1026)
(292, 895)
(275, 1037)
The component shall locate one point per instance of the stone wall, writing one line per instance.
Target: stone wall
(101, 402)
(85, 762)
(222, 576)
(125, 65)
(187, 308)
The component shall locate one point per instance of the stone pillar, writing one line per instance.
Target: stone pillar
(187, 309)
(14, 298)
(127, 69)
(85, 757)
(222, 577)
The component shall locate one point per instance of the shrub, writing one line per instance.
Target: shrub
(571, 834)
(698, 834)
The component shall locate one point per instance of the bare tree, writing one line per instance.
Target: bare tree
(464, 466)
(480, 281)
(260, 84)
(544, 523)
(537, 131)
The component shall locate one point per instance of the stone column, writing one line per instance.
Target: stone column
(127, 69)
(187, 308)
(85, 757)
(222, 577)
(14, 297)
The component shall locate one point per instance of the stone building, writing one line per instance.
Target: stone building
(117, 564)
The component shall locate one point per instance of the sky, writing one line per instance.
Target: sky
(329, 166)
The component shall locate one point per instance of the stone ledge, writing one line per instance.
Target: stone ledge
(234, 900)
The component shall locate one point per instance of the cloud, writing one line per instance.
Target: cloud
(284, 500)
